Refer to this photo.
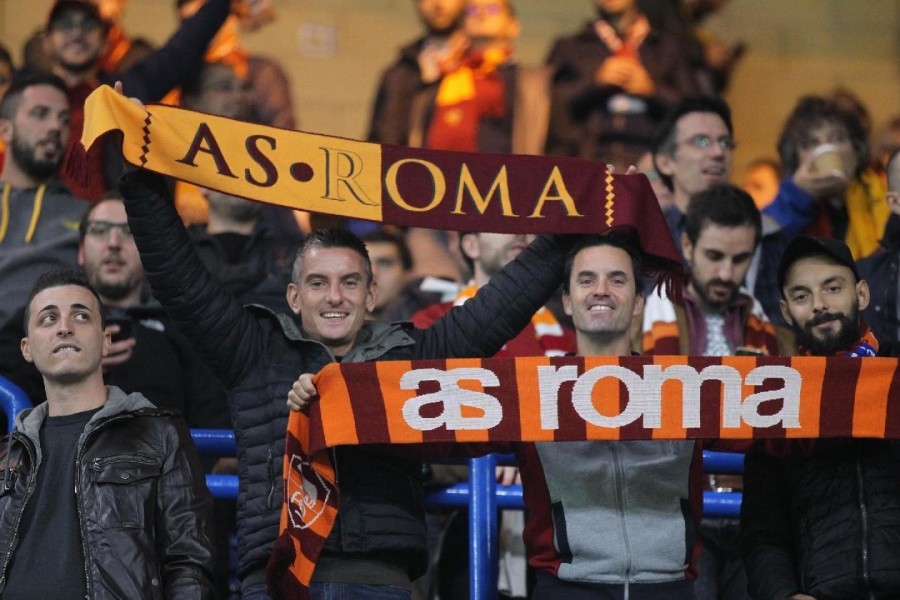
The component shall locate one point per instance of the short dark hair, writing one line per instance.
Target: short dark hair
(332, 237)
(6, 57)
(665, 136)
(10, 102)
(810, 112)
(724, 205)
(58, 278)
(617, 239)
(111, 195)
(382, 236)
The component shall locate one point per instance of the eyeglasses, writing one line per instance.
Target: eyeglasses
(71, 24)
(704, 141)
(103, 229)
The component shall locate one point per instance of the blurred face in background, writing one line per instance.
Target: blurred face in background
(441, 17)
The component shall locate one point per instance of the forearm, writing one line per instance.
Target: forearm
(212, 320)
(503, 307)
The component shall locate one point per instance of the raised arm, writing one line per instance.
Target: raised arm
(225, 334)
(503, 307)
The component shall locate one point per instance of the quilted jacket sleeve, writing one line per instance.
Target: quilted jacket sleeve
(228, 337)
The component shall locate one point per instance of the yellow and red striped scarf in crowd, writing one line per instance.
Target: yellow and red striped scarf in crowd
(563, 399)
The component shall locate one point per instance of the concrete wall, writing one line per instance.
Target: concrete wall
(334, 51)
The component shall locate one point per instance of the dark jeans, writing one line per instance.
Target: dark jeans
(720, 571)
(549, 587)
(336, 591)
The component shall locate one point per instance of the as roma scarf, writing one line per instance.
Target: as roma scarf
(390, 184)
(564, 399)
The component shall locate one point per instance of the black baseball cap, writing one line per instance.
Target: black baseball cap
(807, 245)
(85, 6)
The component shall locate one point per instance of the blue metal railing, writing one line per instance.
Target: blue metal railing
(13, 401)
(480, 494)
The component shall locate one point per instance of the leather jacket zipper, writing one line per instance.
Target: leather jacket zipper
(864, 516)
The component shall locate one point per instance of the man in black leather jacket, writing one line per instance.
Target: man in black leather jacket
(379, 537)
(102, 493)
(821, 518)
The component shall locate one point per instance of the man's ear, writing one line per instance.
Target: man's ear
(638, 305)
(664, 163)
(6, 131)
(293, 297)
(862, 294)
(371, 296)
(784, 311)
(26, 350)
(468, 243)
(567, 303)
(687, 248)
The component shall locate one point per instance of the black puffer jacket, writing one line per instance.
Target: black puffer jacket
(141, 457)
(259, 356)
(823, 521)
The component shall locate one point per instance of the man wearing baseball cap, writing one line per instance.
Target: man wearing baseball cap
(821, 519)
(74, 43)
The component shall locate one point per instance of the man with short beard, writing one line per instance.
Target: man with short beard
(820, 518)
(722, 229)
(39, 215)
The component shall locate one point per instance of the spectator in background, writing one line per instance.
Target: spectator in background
(267, 93)
(238, 246)
(881, 268)
(761, 180)
(837, 195)
(39, 214)
(613, 84)
(104, 494)
(146, 354)
(694, 151)
(217, 90)
(74, 42)
(419, 64)
(391, 267)
(487, 102)
(6, 75)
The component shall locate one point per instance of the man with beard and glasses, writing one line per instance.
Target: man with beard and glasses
(38, 215)
(146, 355)
(722, 228)
(821, 518)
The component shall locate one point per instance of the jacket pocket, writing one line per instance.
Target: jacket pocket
(125, 489)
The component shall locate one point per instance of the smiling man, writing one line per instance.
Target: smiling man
(378, 544)
(820, 518)
(94, 475)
